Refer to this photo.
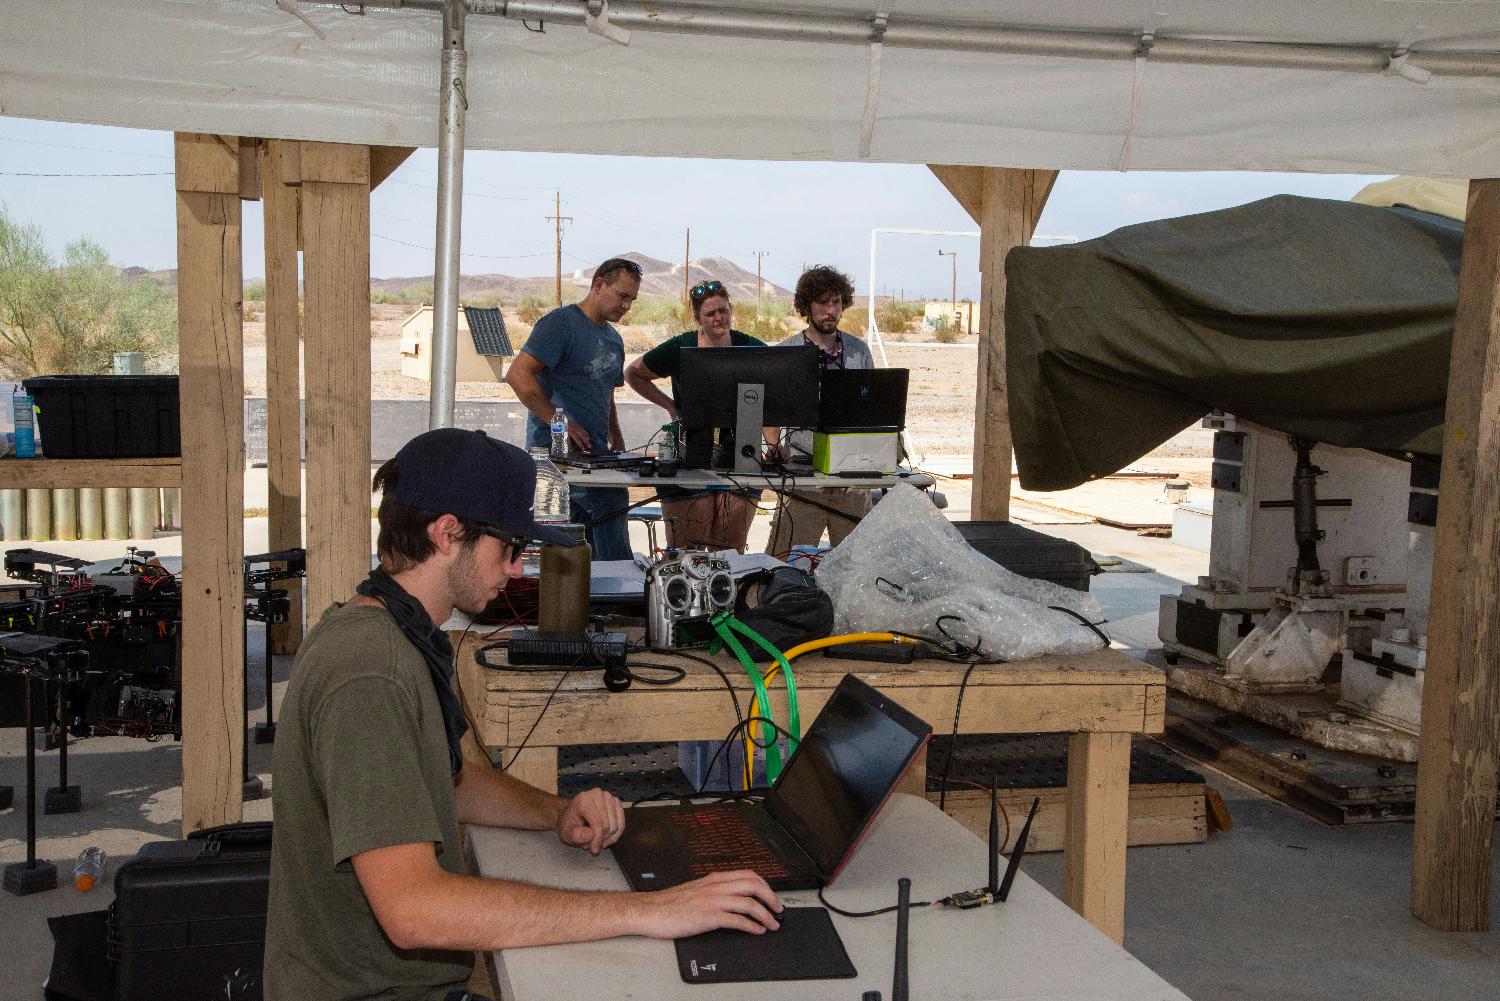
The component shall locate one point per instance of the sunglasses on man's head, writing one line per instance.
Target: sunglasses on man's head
(614, 264)
(514, 544)
(703, 290)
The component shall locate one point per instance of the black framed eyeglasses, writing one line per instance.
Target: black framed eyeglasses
(515, 544)
(703, 290)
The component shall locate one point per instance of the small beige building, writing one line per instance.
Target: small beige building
(483, 344)
(962, 317)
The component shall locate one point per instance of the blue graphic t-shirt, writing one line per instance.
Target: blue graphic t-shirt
(584, 362)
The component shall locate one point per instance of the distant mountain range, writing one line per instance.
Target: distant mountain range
(657, 278)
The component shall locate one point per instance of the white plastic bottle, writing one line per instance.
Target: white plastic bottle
(551, 503)
(89, 869)
(559, 434)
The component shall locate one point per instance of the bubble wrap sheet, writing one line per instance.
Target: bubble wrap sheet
(905, 567)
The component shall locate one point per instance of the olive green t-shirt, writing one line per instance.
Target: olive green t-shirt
(361, 762)
(666, 357)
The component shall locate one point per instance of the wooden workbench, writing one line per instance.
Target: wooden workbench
(1099, 698)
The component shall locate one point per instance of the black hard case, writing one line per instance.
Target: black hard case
(1030, 553)
(189, 917)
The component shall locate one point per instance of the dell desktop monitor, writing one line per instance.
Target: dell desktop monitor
(712, 401)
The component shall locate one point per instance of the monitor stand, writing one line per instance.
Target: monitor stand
(749, 419)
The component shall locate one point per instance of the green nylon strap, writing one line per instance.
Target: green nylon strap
(722, 623)
(794, 718)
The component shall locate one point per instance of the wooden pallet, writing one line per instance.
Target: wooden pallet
(1160, 814)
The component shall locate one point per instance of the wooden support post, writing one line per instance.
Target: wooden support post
(336, 267)
(283, 371)
(1098, 815)
(211, 363)
(1011, 202)
(1460, 743)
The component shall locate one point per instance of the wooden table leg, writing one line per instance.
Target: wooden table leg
(534, 765)
(1098, 811)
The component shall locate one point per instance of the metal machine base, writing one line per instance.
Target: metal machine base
(1385, 685)
(22, 878)
(62, 799)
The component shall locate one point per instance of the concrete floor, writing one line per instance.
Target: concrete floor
(1281, 907)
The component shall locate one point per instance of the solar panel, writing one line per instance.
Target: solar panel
(487, 327)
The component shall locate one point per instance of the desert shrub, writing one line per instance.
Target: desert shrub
(255, 291)
(528, 313)
(896, 317)
(412, 295)
(73, 318)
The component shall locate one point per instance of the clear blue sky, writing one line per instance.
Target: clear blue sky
(797, 212)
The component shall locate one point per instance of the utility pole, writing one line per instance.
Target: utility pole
(953, 254)
(759, 303)
(558, 218)
(687, 256)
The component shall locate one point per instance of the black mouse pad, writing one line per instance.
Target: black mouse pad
(807, 947)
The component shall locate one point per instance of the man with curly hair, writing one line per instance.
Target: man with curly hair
(822, 295)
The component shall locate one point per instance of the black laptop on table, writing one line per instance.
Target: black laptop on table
(862, 399)
(801, 836)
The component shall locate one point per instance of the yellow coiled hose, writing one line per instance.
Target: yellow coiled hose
(756, 709)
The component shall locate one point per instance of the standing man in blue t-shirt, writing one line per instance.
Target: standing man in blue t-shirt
(574, 360)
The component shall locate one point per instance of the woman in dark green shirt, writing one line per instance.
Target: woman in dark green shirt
(717, 519)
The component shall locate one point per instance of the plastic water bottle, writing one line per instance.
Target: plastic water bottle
(551, 502)
(559, 434)
(88, 870)
(668, 447)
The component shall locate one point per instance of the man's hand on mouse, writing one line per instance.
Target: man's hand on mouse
(739, 900)
(592, 820)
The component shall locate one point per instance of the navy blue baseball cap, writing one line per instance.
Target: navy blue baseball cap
(470, 475)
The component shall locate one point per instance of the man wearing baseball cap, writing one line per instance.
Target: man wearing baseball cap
(368, 891)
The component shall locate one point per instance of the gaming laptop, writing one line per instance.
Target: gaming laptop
(840, 776)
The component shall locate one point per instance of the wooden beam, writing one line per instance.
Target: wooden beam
(336, 268)
(1460, 744)
(1011, 204)
(283, 379)
(90, 473)
(965, 184)
(1098, 818)
(384, 160)
(250, 155)
(211, 365)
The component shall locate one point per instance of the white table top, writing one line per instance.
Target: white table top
(697, 479)
(1031, 947)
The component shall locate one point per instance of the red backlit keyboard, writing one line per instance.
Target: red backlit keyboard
(720, 840)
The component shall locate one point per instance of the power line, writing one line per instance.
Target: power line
(468, 194)
(86, 149)
(487, 257)
(18, 173)
(468, 234)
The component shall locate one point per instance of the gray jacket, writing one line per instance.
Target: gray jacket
(856, 351)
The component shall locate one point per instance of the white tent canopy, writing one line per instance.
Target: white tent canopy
(1276, 85)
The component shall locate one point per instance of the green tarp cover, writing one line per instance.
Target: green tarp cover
(1320, 318)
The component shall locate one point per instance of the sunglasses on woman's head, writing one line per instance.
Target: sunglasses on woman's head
(703, 290)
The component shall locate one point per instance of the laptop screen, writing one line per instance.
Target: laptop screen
(862, 398)
(847, 764)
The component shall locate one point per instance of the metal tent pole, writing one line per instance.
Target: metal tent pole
(453, 76)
